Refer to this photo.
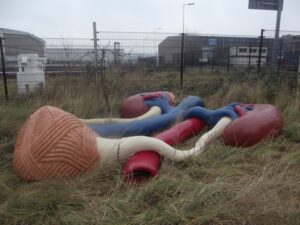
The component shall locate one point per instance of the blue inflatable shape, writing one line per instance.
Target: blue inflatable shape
(150, 125)
(162, 103)
(212, 117)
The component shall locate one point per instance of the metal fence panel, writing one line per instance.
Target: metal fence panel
(141, 58)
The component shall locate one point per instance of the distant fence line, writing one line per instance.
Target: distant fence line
(28, 62)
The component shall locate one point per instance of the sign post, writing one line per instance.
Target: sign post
(270, 5)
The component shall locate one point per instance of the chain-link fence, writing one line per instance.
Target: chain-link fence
(284, 53)
(143, 59)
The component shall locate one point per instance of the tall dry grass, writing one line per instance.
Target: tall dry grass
(225, 185)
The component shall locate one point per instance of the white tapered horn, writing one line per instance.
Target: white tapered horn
(114, 149)
(153, 111)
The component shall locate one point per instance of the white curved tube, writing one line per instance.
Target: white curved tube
(153, 111)
(114, 149)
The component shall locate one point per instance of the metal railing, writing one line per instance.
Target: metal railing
(28, 65)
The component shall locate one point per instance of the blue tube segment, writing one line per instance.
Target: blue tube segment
(211, 117)
(150, 125)
(162, 103)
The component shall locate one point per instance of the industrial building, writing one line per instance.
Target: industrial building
(25, 58)
(290, 52)
(219, 50)
(19, 42)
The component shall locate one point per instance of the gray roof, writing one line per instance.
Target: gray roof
(18, 32)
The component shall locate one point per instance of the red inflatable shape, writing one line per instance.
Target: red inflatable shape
(263, 121)
(240, 110)
(135, 102)
(145, 164)
(135, 106)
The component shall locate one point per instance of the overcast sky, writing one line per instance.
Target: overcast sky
(73, 18)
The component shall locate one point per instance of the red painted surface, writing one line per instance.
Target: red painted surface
(135, 106)
(146, 164)
(253, 126)
(240, 110)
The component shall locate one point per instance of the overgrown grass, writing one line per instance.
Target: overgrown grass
(225, 185)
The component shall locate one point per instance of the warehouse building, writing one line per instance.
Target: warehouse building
(290, 52)
(219, 50)
(20, 42)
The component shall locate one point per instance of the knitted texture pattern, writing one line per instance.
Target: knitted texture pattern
(53, 144)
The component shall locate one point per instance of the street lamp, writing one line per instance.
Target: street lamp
(182, 44)
(188, 4)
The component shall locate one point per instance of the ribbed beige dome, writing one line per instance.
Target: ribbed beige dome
(53, 144)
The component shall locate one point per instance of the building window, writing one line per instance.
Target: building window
(264, 50)
(243, 50)
(253, 50)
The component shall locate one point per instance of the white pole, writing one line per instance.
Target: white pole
(95, 43)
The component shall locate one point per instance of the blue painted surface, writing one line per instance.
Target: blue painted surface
(211, 117)
(161, 102)
(190, 107)
(151, 125)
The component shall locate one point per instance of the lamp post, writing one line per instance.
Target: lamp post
(155, 44)
(182, 44)
(183, 6)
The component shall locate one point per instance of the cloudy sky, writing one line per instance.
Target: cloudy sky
(73, 18)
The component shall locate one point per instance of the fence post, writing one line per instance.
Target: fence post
(3, 68)
(201, 60)
(182, 60)
(280, 55)
(213, 60)
(260, 49)
(249, 61)
(228, 60)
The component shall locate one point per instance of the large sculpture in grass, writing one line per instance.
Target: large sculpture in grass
(55, 144)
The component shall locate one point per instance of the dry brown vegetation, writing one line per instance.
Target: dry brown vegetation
(225, 185)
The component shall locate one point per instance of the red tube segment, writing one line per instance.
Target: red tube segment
(263, 121)
(146, 164)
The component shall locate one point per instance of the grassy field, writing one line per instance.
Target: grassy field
(225, 185)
